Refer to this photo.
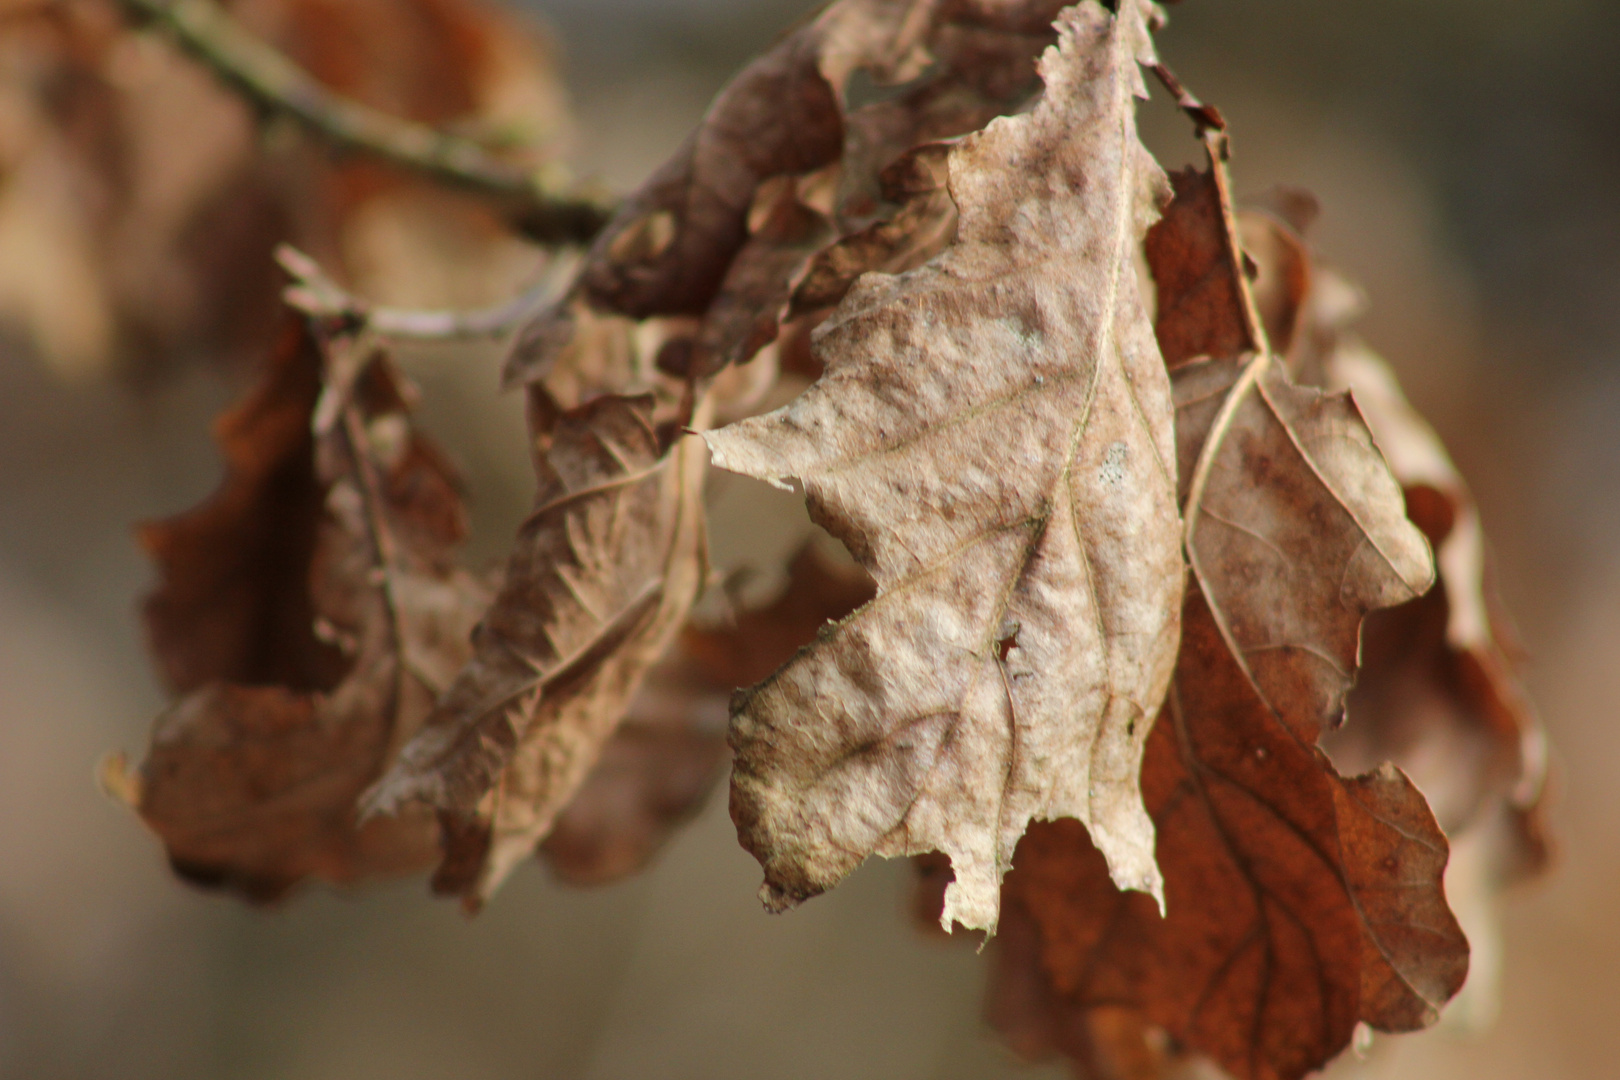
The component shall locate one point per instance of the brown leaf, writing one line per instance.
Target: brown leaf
(1101, 1043)
(790, 133)
(310, 612)
(1295, 530)
(992, 441)
(746, 313)
(600, 580)
(235, 602)
(1440, 690)
(1297, 902)
(1453, 644)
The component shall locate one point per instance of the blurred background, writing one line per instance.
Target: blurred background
(1466, 156)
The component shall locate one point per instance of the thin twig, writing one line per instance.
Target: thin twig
(315, 294)
(537, 198)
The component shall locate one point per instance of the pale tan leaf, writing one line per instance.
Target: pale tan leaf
(992, 441)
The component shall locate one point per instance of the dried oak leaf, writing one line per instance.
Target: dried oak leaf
(788, 157)
(310, 612)
(1298, 902)
(657, 770)
(992, 441)
(600, 580)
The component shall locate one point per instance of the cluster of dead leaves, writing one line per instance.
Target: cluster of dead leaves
(1116, 567)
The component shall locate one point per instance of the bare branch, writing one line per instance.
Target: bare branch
(538, 199)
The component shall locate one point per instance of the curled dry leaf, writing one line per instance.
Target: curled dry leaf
(599, 582)
(1439, 691)
(787, 158)
(310, 612)
(992, 440)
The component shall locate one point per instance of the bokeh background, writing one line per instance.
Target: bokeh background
(1467, 156)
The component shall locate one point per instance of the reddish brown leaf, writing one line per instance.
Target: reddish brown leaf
(1297, 903)
(307, 659)
(234, 604)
